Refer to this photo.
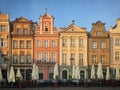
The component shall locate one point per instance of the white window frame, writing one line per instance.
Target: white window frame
(53, 56)
(53, 43)
(46, 43)
(64, 58)
(94, 44)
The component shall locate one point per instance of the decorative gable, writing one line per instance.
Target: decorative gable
(22, 19)
(116, 28)
(98, 30)
(73, 28)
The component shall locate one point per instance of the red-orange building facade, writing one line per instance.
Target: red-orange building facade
(46, 46)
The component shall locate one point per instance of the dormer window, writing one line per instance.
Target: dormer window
(46, 28)
(25, 31)
(18, 31)
(97, 33)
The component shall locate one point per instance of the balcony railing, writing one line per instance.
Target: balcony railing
(21, 62)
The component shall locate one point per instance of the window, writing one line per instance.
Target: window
(18, 31)
(15, 58)
(39, 43)
(28, 44)
(103, 59)
(97, 33)
(2, 28)
(45, 57)
(64, 56)
(21, 44)
(22, 57)
(81, 57)
(103, 44)
(73, 55)
(93, 58)
(50, 76)
(72, 43)
(46, 28)
(53, 43)
(28, 58)
(81, 42)
(46, 43)
(94, 44)
(39, 56)
(3, 42)
(41, 76)
(117, 55)
(53, 56)
(64, 42)
(15, 44)
(117, 42)
(25, 31)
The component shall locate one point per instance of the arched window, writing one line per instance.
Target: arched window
(64, 74)
(82, 74)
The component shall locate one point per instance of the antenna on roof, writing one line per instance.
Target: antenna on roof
(46, 10)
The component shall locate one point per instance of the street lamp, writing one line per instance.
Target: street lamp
(7, 69)
(71, 60)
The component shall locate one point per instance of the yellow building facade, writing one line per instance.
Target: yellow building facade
(73, 50)
(98, 46)
(115, 44)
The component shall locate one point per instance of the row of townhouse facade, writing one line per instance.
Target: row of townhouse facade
(24, 42)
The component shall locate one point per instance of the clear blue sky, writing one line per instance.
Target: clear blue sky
(84, 12)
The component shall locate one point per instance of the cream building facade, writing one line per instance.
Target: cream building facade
(73, 44)
(115, 44)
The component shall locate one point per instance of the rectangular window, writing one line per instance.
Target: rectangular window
(94, 44)
(117, 42)
(97, 33)
(28, 58)
(81, 58)
(25, 31)
(103, 59)
(2, 28)
(46, 28)
(64, 58)
(64, 42)
(15, 58)
(117, 55)
(53, 56)
(41, 76)
(72, 43)
(80, 42)
(28, 44)
(15, 44)
(39, 43)
(45, 57)
(50, 76)
(53, 43)
(18, 31)
(93, 58)
(22, 58)
(21, 44)
(39, 56)
(3, 42)
(103, 44)
(46, 43)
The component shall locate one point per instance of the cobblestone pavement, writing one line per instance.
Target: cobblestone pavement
(64, 88)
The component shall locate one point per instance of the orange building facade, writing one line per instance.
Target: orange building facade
(22, 46)
(46, 43)
(4, 42)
